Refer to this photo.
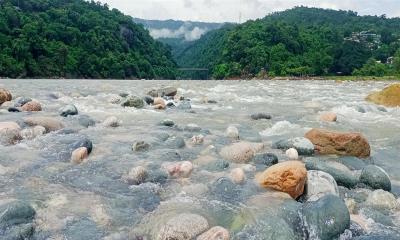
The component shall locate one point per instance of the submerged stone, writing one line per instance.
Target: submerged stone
(376, 178)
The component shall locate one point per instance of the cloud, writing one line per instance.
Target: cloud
(230, 10)
(185, 31)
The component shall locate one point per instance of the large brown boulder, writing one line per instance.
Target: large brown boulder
(5, 95)
(389, 96)
(339, 143)
(289, 177)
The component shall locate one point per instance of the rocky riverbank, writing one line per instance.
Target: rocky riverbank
(195, 162)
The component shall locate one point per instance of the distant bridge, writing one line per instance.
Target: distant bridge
(200, 70)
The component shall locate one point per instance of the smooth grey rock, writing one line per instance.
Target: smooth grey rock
(259, 116)
(342, 175)
(175, 142)
(217, 165)
(224, 189)
(21, 101)
(326, 218)
(85, 142)
(68, 110)
(86, 121)
(303, 145)
(167, 123)
(376, 178)
(320, 184)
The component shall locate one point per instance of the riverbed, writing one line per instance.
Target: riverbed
(93, 201)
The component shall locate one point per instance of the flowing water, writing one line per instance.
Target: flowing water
(91, 200)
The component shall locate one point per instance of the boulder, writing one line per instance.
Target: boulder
(292, 154)
(326, 218)
(136, 175)
(111, 122)
(303, 145)
(185, 226)
(320, 184)
(15, 213)
(328, 117)
(5, 95)
(381, 199)
(389, 97)
(259, 116)
(133, 101)
(159, 103)
(68, 110)
(342, 174)
(9, 133)
(215, 233)
(289, 177)
(32, 106)
(168, 91)
(140, 146)
(240, 152)
(175, 142)
(339, 143)
(84, 142)
(51, 124)
(79, 155)
(376, 178)
(21, 101)
(232, 132)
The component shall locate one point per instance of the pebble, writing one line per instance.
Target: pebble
(292, 154)
(197, 140)
(328, 117)
(111, 122)
(259, 116)
(137, 175)
(68, 110)
(184, 226)
(32, 106)
(237, 175)
(232, 132)
(167, 123)
(140, 146)
(180, 169)
(79, 155)
(215, 233)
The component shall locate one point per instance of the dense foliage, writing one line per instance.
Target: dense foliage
(77, 39)
(299, 42)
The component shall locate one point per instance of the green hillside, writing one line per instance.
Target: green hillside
(301, 42)
(77, 39)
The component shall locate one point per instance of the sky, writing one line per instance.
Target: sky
(241, 10)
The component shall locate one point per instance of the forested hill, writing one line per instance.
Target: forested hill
(301, 42)
(77, 39)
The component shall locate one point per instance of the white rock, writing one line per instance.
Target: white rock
(319, 184)
(111, 122)
(237, 175)
(292, 154)
(232, 132)
(197, 140)
(382, 199)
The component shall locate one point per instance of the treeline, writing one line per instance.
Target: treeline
(300, 42)
(77, 39)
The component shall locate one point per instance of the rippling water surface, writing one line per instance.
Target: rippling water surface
(74, 200)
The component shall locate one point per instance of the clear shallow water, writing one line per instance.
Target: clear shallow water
(91, 198)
